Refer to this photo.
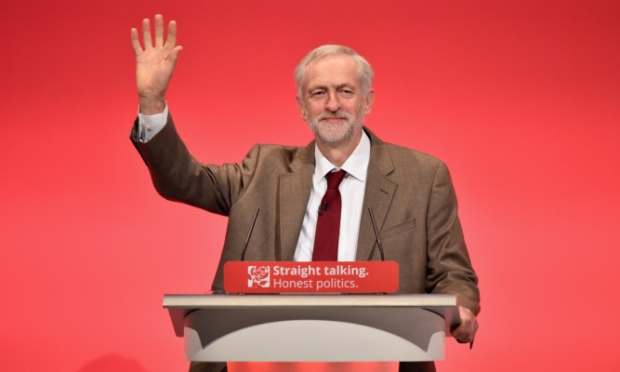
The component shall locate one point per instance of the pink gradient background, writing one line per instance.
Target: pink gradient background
(520, 98)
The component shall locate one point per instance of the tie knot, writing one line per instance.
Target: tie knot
(334, 179)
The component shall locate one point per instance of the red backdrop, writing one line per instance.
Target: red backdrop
(520, 98)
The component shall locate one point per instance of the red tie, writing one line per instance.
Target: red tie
(328, 222)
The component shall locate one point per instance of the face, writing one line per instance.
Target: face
(332, 101)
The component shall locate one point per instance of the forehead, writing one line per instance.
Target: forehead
(333, 70)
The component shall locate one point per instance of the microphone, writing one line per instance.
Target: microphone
(247, 240)
(374, 227)
(322, 208)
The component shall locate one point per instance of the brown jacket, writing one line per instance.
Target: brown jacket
(410, 193)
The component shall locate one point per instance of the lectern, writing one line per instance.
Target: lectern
(313, 327)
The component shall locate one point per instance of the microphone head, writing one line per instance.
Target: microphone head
(322, 208)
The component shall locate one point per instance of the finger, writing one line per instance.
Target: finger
(466, 331)
(146, 33)
(135, 41)
(171, 41)
(159, 31)
(461, 331)
(174, 55)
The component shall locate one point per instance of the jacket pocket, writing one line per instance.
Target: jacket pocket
(395, 230)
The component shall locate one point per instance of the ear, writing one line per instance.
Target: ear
(302, 107)
(370, 98)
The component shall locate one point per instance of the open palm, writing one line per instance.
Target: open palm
(154, 63)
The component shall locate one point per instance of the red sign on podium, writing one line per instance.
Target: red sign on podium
(311, 277)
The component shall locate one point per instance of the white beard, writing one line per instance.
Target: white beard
(336, 132)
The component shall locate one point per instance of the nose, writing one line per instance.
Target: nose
(333, 103)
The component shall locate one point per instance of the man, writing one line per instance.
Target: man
(410, 193)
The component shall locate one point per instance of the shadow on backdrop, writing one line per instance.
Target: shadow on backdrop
(112, 362)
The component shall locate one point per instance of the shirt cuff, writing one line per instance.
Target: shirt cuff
(150, 125)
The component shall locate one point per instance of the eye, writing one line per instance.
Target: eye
(317, 94)
(346, 93)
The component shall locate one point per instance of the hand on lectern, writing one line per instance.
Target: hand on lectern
(154, 63)
(465, 332)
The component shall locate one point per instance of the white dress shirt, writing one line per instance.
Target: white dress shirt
(352, 191)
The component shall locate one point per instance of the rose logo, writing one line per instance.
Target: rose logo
(259, 276)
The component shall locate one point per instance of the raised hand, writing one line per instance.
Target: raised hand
(155, 63)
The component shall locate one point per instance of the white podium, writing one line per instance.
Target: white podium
(313, 327)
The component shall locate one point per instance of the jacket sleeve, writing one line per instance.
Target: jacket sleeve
(449, 266)
(178, 176)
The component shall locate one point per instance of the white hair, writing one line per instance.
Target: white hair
(364, 71)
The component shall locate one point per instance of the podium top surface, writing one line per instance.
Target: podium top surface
(180, 305)
(307, 300)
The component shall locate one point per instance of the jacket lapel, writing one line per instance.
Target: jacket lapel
(293, 194)
(379, 194)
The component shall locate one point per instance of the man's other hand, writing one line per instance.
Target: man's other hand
(466, 331)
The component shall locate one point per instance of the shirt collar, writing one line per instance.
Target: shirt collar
(356, 165)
